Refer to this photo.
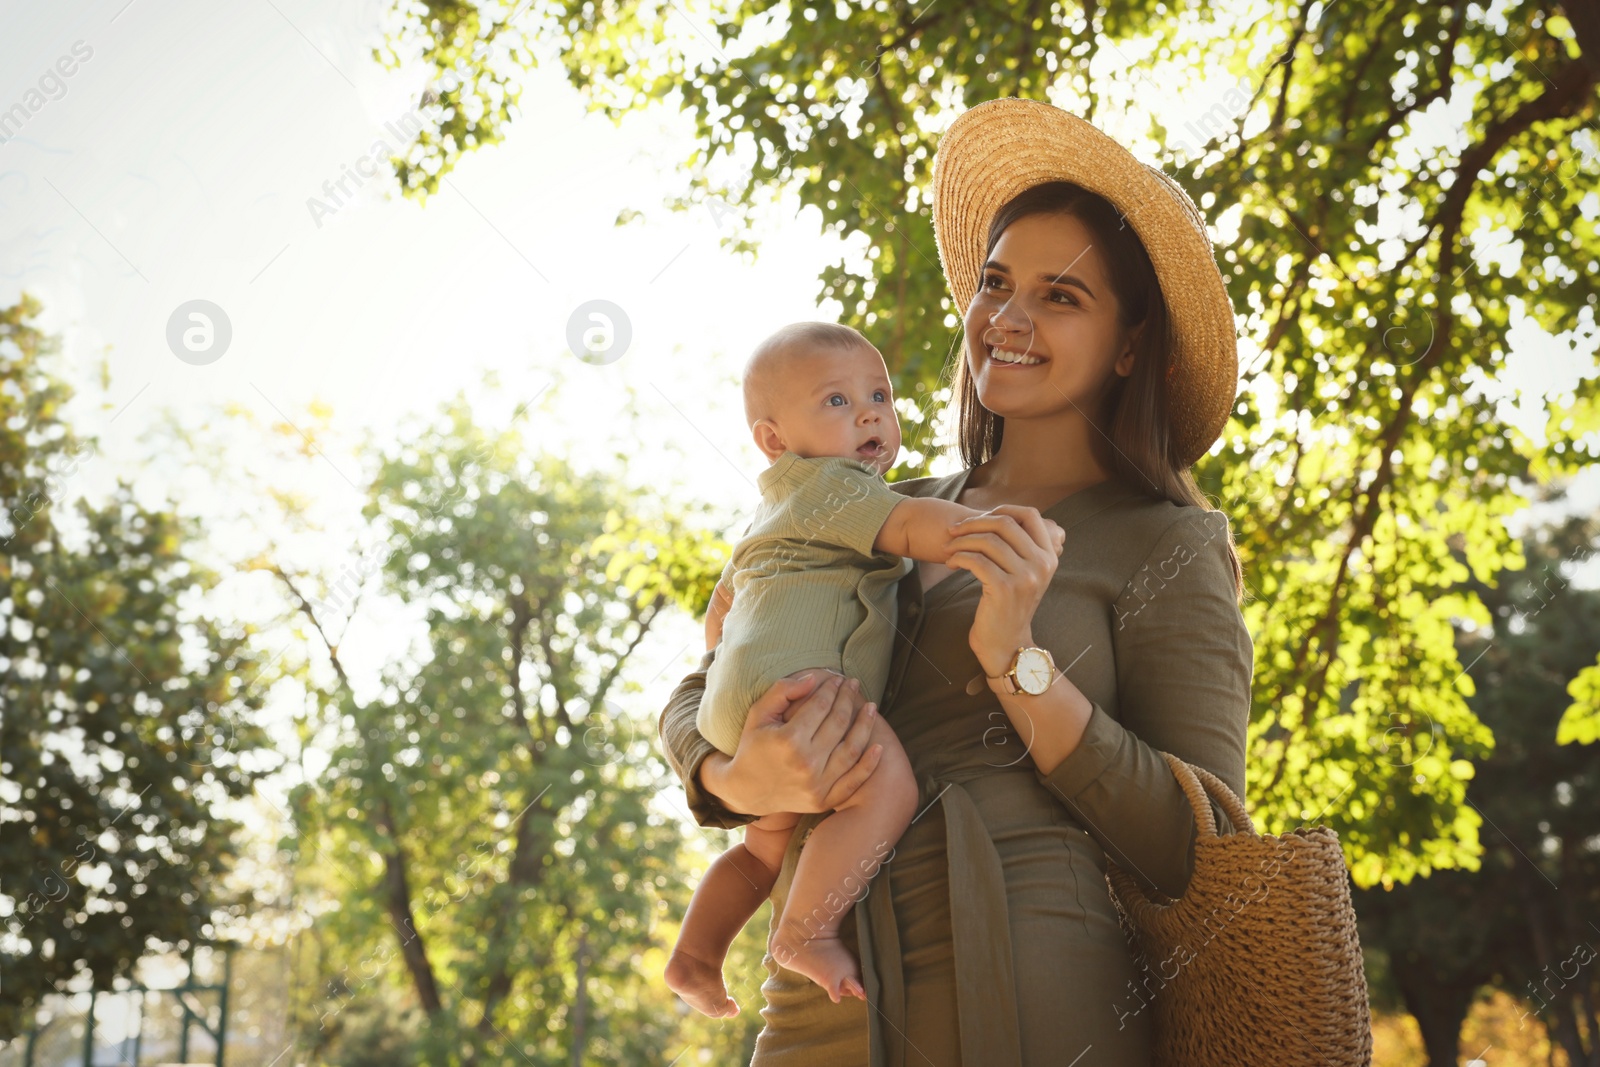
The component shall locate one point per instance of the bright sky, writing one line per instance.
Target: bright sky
(175, 165)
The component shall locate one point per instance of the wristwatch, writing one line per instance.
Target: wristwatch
(1033, 670)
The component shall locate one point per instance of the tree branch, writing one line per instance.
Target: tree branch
(643, 615)
(396, 886)
(1584, 16)
(1347, 112)
(543, 637)
(1444, 66)
(1558, 100)
(1090, 7)
(1281, 111)
(516, 639)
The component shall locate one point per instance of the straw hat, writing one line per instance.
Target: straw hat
(997, 149)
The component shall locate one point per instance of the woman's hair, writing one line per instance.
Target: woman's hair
(1136, 441)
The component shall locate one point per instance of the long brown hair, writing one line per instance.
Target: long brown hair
(1135, 441)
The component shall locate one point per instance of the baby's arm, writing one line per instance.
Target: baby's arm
(919, 527)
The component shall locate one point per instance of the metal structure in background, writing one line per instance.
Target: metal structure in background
(193, 1014)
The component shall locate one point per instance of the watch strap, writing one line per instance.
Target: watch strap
(1008, 677)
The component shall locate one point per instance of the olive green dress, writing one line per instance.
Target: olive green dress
(990, 939)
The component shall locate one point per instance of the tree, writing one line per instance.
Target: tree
(1541, 794)
(127, 713)
(1377, 268)
(1436, 935)
(1523, 919)
(484, 838)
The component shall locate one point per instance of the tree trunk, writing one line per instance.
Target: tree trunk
(1565, 1031)
(397, 901)
(528, 860)
(396, 887)
(1439, 1007)
(532, 848)
(1559, 1017)
(1584, 17)
(580, 1002)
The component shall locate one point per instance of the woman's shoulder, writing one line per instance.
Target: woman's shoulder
(1140, 530)
(1148, 517)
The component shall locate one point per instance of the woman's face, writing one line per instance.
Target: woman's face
(1044, 332)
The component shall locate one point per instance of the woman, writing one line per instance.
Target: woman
(1099, 364)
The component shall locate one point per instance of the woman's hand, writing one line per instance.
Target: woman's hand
(721, 601)
(804, 748)
(1013, 551)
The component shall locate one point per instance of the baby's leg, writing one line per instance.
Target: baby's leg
(732, 891)
(839, 859)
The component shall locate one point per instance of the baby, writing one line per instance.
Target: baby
(813, 581)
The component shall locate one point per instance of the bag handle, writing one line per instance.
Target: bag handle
(1197, 783)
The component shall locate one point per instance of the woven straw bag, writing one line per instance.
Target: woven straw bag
(1259, 962)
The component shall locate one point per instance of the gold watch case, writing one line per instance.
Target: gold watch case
(1033, 670)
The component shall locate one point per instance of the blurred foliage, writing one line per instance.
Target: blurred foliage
(464, 110)
(1397, 191)
(1581, 723)
(1523, 920)
(1497, 1023)
(376, 1031)
(127, 713)
(486, 845)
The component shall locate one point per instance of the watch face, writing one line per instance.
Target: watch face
(1034, 671)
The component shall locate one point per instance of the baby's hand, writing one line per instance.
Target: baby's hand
(721, 601)
(1057, 535)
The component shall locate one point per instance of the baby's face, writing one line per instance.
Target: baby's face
(840, 403)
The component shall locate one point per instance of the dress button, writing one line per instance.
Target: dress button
(913, 609)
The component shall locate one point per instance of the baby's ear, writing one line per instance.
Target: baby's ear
(767, 438)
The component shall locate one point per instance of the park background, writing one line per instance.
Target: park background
(333, 634)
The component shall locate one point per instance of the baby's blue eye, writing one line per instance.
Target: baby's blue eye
(880, 396)
(835, 396)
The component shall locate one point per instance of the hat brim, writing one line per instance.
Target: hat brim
(998, 149)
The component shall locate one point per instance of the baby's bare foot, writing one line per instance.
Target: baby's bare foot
(821, 958)
(700, 986)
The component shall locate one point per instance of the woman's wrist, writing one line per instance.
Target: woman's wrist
(996, 662)
(717, 780)
(712, 777)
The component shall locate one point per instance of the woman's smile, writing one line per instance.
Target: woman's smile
(1010, 357)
